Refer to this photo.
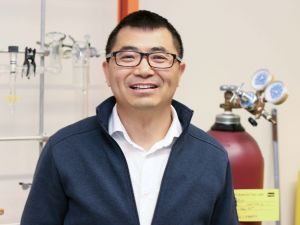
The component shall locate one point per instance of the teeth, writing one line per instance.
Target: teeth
(143, 86)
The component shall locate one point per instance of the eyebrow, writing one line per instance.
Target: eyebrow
(153, 49)
(129, 48)
(158, 49)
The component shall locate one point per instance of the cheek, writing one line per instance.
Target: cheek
(117, 80)
(173, 80)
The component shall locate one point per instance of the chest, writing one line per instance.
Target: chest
(100, 186)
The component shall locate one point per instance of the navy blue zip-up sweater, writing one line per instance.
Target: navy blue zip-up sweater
(82, 178)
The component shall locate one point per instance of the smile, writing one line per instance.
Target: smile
(143, 86)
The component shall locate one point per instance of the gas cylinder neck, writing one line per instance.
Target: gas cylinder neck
(228, 121)
(228, 117)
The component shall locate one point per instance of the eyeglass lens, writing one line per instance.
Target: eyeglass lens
(156, 59)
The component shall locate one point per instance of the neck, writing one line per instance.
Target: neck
(146, 127)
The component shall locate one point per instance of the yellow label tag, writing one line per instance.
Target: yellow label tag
(12, 98)
(257, 204)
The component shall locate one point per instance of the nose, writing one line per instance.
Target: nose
(144, 69)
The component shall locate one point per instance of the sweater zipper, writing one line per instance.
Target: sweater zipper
(128, 175)
(164, 175)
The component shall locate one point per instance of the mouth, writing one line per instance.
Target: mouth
(143, 86)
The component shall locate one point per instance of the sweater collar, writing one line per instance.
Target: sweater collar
(104, 110)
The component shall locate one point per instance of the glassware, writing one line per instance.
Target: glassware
(80, 58)
(55, 51)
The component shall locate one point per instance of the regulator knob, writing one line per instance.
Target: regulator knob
(252, 121)
(228, 87)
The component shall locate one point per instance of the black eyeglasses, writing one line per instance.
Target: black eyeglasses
(160, 60)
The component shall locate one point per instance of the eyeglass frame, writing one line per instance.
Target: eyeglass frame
(142, 54)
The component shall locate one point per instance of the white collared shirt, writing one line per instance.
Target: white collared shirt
(146, 167)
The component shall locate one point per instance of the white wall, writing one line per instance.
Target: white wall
(225, 43)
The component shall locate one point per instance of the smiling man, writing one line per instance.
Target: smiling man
(143, 71)
(139, 161)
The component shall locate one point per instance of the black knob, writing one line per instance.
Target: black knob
(252, 121)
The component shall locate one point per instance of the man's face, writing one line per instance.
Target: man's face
(143, 87)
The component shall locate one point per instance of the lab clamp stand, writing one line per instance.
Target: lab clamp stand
(27, 69)
(267, 91)
(56, 49)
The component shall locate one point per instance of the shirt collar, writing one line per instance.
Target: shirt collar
(115, 126)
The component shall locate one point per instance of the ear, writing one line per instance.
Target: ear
(105, 68)
(182, 67)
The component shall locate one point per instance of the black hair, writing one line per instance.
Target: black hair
(146, 20)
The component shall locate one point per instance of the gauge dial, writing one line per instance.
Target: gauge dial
(276, 93)
(261, 79)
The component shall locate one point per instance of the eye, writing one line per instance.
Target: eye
(127, 56)
(159, 57)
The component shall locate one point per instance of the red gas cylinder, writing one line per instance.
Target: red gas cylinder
(245, 157)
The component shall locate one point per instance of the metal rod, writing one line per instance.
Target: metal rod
(42, 75)
(276, 158)
(25, 138)
(45, 52)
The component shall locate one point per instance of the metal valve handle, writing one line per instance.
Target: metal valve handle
(226, 87)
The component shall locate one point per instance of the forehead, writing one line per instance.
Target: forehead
(144, 39)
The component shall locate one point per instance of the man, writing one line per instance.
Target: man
(139, 160)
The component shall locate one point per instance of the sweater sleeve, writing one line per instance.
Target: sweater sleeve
(225, 208)
(47, 202)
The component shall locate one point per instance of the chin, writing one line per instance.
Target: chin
(144, 105)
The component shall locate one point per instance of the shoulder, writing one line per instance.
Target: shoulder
(75, 130)
(205, 141)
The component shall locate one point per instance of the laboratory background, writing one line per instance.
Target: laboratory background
(50, 76)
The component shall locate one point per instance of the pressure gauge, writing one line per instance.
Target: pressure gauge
(276, 93)
(261, 79)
